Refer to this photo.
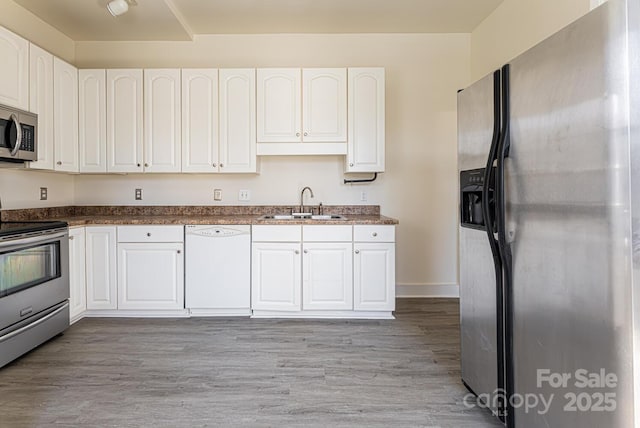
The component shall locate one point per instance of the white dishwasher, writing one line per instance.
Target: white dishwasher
(218, 270)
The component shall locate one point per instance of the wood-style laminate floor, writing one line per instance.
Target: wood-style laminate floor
(240, 372)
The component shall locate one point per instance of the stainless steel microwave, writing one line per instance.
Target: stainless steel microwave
(18, 135)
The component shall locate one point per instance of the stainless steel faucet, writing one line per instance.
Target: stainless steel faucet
(302, 199)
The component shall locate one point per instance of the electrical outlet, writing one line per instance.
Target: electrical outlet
(217, 194)
(244, 195)
(43, 193)
(138, 194)
(363, 196)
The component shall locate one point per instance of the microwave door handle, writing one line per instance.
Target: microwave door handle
(16, 148)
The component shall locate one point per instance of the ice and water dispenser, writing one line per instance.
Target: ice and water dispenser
(471, 196)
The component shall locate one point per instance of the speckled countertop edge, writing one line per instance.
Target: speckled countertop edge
(176, 215)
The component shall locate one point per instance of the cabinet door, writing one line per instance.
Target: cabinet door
(199, 120)
(92, 126)
(279, 105)
(374, 274)
(101, 267)
(150, 276)
(77, 283)
(324, 104)
(366, 142)
(65, 116)
(14, 73)
(41, 103)
(275, 276)
(162, 117)
(237, 120)
(124, 120)
(327, 277)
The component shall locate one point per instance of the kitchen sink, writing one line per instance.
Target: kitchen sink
(302, 217)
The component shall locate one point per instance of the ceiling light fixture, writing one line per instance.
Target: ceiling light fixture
(118, 7)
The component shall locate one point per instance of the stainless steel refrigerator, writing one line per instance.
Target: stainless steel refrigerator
(549, 167)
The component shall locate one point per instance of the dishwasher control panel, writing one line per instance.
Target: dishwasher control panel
(214, 231)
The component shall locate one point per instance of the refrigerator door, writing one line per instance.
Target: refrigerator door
(569, 225)
(478, 310)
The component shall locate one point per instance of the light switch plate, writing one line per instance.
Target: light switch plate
(217, 194)
(244, 195)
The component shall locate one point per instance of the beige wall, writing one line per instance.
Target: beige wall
(517, 25)
(423, 73)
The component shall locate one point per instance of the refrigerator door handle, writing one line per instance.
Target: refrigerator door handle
(490, 215)
(503, 244)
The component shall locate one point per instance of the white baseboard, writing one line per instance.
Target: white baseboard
(427, 290)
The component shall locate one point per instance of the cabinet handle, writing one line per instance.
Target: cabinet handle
(357, 251)
(297, 251)
(374, 234)
(221, 165)
(138, 165)
(214, 165)
(179, 251)
(306, 251)
(59, 163)
(350, 164)
(306, 133)
(146, 164)
(297, 134)
(148, 234)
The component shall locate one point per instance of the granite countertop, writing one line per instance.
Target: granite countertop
(216, 215)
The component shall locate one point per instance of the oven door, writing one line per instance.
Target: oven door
(34, 275)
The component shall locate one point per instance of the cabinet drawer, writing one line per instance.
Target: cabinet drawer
(327, 233)
(374, 233)
(276, 233)
(150, 233)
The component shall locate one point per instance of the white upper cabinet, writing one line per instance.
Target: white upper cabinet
(92, 124)
(237, 120)
(279, 99)
(324, 107)
(41, 103)
(200, 120)
(366, 143)
(65, 116)
(302, 111)
(14, 73)
(162, 117)
(124, 120)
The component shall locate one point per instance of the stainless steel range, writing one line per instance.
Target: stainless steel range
(34, 285)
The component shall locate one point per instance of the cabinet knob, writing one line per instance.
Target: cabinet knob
(138, 165)
(148, 234)
(221, 165)
(146, 164)
(357, 251)
(306, 251)
(374, 234)
(59, 163)
(297, 251)
(214, 165)
(179, 251)
(71, 238)
(306, 133)
(297, 134)
(350, 164)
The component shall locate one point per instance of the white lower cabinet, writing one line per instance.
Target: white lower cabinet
(327, 275)
(101, 268)
(275, 276)
(150, 267)
(77, 285)
(374, 279)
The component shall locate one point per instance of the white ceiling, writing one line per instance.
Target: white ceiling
(89, 20)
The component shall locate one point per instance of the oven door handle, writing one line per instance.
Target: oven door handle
(33, 324)
(16, 148)
(21, 242)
